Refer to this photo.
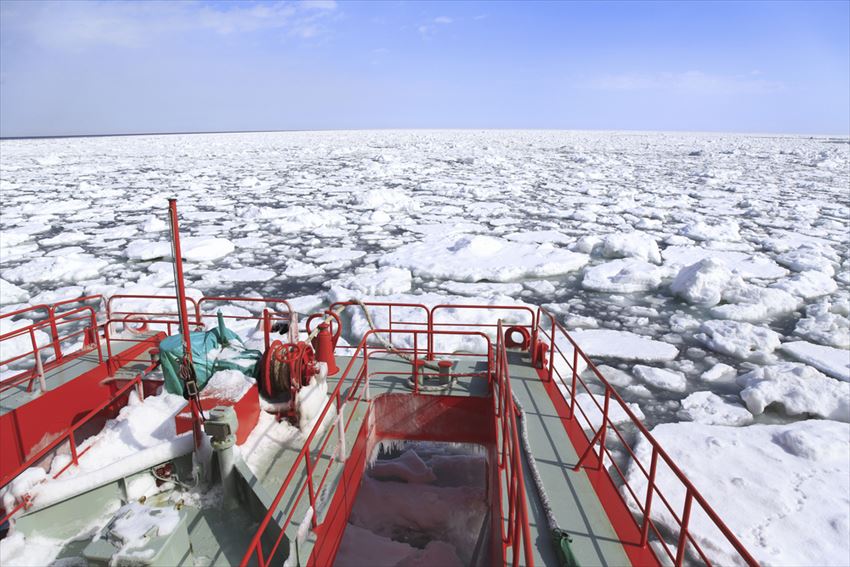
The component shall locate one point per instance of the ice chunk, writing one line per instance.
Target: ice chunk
(248, 274)
(193, 248)
(720, 373)
(482, 289)
(384, 281)
(711, 409)
(631, 245)
(808, 284)
(704, 282)
(623, 345)
(408, 467)
(784, 490)
(744, 264)
(154, 224)
(388, 199)
(798, 388)
(298, 269)
(726, 230)
(741, 340)
(753, 303)
(361, 546)
(834, 362)
(10, 293)
(74, 267)
(806, 258)
(661, 378)
(540, 237)
(622, 276)
(476, 257)
(825, 325)
(452, 514)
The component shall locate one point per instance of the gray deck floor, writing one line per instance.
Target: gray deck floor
(577, 508)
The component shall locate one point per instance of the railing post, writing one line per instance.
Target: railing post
(267, 328)
(140, 391)
(341, 430)
(39, 367)
(683, 536)
(551, 370)
(96, 336)
(647, 507)
(54, 334)
(310, 488)
(604, 426)
(73, 446)
(573, 387)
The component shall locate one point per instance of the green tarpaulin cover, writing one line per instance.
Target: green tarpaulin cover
(206, 347)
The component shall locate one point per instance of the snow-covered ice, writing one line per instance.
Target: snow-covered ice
(784, 490)
(711, 409)
(623, 345)
(476, 257)
(798, 389)
(829, 360)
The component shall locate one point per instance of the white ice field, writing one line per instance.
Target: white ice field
(708, 274)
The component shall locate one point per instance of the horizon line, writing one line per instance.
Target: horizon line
(286, 130)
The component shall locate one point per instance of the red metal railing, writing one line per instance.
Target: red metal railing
(69, 320)
(604, 455)
(170, 301)
(393, 324)
(357, 375)
(490, 328)
(516, 533)
(68, 436)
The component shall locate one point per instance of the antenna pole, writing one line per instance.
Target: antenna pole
(187, 369)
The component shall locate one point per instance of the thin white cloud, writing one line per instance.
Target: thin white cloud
(429, 29)
(692, 82)
(78, 25)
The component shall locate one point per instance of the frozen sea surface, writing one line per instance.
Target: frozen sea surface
(727, 254)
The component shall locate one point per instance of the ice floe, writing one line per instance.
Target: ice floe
(623, 345)
(476, 257)
(739, 339)
(834, 362)
(798, 389)
(711, 409)
(783, 490)
(622, 276)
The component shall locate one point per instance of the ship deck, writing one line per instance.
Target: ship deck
(577, 507)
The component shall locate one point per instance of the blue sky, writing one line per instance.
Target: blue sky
(76, 68)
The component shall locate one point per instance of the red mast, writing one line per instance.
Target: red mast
(187, 369)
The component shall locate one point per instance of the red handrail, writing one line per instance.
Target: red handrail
(53, 322)
(692, 495)
(335, 398)
(510, 462)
